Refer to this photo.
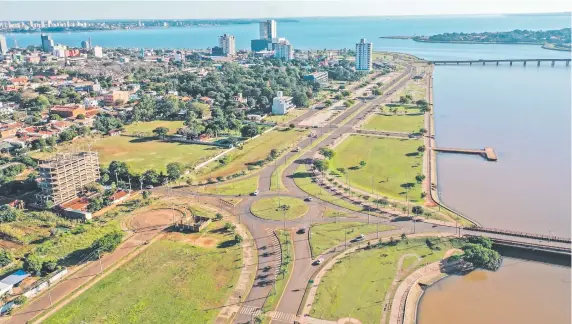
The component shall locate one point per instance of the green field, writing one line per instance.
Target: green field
(239, 187)
(268, 208)
(356, 286)
(148, 127)
(141, 154)
(336, 213)
(303, 180)
(325, 236)
(254, 151)
(182, 284)
(292, 113)
(390, 165)
(410, 123)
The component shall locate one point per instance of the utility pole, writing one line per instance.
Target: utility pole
(116, 178)
(284, 217)
(100, 265)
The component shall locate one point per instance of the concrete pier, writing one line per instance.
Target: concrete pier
(488, 152)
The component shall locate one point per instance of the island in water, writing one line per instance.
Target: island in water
(558, 39)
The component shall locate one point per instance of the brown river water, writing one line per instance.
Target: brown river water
(524, 114)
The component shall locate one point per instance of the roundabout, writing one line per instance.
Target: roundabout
(279, 208)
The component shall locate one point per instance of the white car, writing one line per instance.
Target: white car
(149, 187)
(255, 193)
(318, 262)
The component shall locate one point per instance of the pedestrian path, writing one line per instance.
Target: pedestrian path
(282, 317)
(250, 310)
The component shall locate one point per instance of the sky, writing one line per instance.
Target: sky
(206, 9)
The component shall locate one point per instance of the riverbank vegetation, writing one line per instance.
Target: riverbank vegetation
(516, 36)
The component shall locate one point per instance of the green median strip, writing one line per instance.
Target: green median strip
(284, 272)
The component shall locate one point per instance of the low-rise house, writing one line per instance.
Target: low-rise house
(8, 130)
(207, 100)
(114, 132)
(68, 110)
(115, 96)
(239, 98)
(13, 280)
(118, 196)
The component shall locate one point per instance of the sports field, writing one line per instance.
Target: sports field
(148, 127)
(391, 165)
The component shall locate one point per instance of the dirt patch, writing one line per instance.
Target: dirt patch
(204, 241)
(153, 218)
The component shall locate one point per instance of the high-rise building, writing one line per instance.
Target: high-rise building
(363, 55)
(64, 176)
(98, 51)
(283, 50)
(85, 45)
(227, 43)
(47, 43)
(257, 45)
(268, 29)
(3, 45)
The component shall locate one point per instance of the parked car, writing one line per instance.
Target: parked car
(301, 230)
(255, 193)
(357, 239)
(149, 187)
(318, 262)
(309, 198)
(296, 149)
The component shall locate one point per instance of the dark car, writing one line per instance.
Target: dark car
(301, 231)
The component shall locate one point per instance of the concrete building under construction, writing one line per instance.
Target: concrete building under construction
(64, 176)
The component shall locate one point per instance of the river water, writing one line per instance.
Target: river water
(522, 112)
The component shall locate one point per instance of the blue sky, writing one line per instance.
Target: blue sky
(104, 9)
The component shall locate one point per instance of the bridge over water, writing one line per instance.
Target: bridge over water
(510, 61)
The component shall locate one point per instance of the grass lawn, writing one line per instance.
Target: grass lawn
(325, 236)
(254, 151)
(293, 113)
(336, 213)
(390, 164)
(282, 280)
(303, 180)
(410, 123)
(240, 187)
(268, 208)
(148, 127)
(182, 284)
(408, 262)
(142, 154)
(356, 286)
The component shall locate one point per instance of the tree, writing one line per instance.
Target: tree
(419, 178)
(20, 300)
(249, 130)
(327, 152)
(341, 170)
(33, 264)
(161, 131)
(146, 194)
(218, 216)
(49, 266)
(421, 149)
(273, 154)
(404, 100)
(150, 177)
(417, 210)
(80, 116)
(321, 165)
(481, 240)
(56, 117)
(421, 102)
(229, 227)
(108, 242)
(482, 257)
(238, 239)
(292, 126)
(362, 163)
(8, 214)
(403, 236)
(174, 171)
(422, 131)
(300, 99)
(5, 257)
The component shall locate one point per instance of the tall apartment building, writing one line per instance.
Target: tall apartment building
(3, 45)
(47, 43)
(363, 55)
(283, 50)
(64, 176)
(227, 43)
(268, 29)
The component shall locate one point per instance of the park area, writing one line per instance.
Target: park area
(148, 127)
(357, 285)
(186, 281)
(403, 119)
(280, 119)
(140, 154)
(279, 208)
(325, 236)
(244, 186)
(253, 153)
(391, 165)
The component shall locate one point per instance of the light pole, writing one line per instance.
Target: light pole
(439, 197)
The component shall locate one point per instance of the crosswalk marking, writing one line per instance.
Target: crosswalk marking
(250, 310)
(282, 317)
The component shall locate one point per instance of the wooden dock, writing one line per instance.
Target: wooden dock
(488, 152)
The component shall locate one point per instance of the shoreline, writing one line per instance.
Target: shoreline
(543, 45)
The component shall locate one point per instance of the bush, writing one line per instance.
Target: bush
(9, 233)
(49, 266)
(20, 300)
(5, 257)
(108, 242)
(229, 227)
(33, 264)
(218, 216)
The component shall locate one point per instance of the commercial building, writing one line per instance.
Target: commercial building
(63, 177)
(320, 78)
(283, 50)
(98, 51)
(281, 104)
(364, 55)
(86, 45)
(268, 29)
(227, 43)
(47, 43)
(115, 95)
(68, 111)
(257, 45)
(3, 45)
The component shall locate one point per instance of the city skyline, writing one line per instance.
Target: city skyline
(91, 10)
